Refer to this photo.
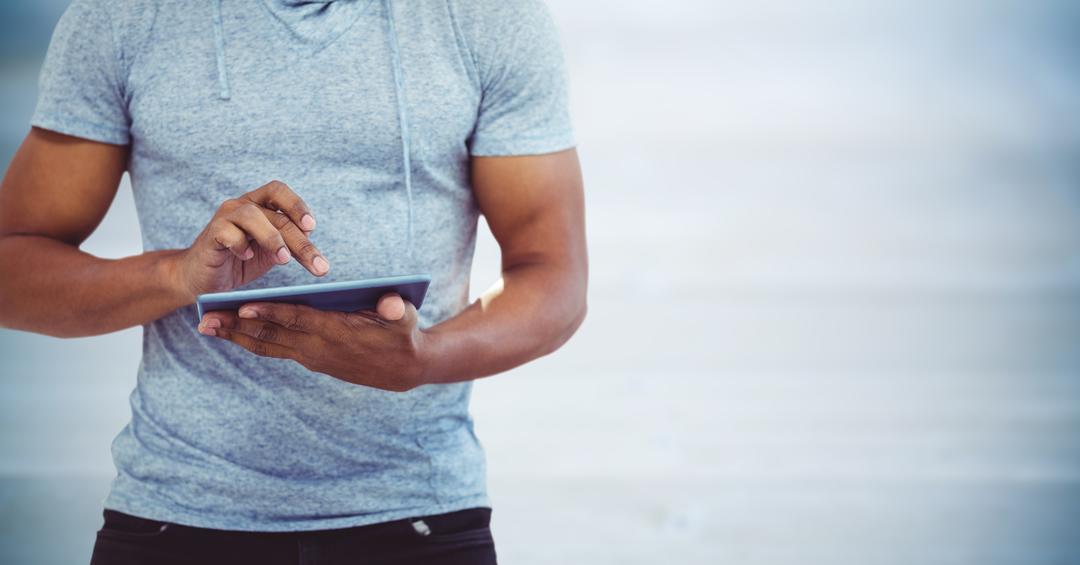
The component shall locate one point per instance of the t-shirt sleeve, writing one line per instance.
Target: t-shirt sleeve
(80, 91)
(521, 72)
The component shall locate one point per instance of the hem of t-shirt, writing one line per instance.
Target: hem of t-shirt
(77, 127)
(522, 145)
(161, 513)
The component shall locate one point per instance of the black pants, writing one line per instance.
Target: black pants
(456, 538)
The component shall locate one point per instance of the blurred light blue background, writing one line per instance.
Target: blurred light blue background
(835, 299)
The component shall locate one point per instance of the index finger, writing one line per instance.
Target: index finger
(277, 195)
(298, 242)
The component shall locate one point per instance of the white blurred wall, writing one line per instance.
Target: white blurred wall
(834, 311)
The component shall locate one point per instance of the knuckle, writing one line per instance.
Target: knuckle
(294, 321)
(276, 190)
(218, 226)
(305, 247)
(284, 197)
(286, 318)
(227, 238)
(266, 332)
(249, 210)
(229, 204)
(279, 221)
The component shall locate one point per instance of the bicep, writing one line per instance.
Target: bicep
(534, 205)
(59, 186)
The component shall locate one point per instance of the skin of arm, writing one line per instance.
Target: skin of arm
(535, 208)
(55, 193)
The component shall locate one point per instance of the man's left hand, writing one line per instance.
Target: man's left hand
(381, 349)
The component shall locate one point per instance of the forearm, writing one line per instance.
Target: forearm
(529, 313)
(50, 287)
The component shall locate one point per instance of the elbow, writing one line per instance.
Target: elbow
(7, 296)
(578, 319)
(16, 315)
(570, 323)
(9, 321)
(62, 333)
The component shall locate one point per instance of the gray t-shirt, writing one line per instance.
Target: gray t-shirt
(218, 97)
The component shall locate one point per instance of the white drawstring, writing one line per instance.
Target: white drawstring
(219, 44)
(399, 95)
(403, 121)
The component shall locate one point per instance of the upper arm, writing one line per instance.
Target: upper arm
(525, 172)
(59, 186)
(66, 172)
(535, 207)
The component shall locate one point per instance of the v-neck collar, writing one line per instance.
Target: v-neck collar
(315, 24)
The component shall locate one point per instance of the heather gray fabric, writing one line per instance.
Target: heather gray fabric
(219, 97)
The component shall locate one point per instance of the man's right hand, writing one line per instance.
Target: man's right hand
(245, 238)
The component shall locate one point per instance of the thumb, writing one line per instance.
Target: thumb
(391, 307)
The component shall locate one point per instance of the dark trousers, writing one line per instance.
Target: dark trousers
(456, 538)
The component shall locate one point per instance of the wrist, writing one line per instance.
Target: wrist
(170, 275)
(427, 348)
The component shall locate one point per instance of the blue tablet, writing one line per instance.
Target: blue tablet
(345, 296)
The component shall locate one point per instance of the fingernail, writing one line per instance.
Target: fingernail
(320, 264)
(212, 323)
(248, 254)
(283, 255)
(247, 313)
(207, 331)
(307, 222)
